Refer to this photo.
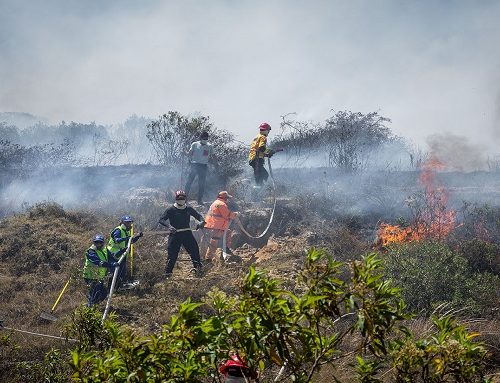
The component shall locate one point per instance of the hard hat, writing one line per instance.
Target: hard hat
(127, 218)
(233, 366)
(98, 238)
(264, 126)
(180, 194)
(204, 134)
(224, 195)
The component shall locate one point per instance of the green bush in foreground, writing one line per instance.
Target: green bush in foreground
(326, 322)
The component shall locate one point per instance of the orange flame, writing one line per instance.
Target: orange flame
(433, 221)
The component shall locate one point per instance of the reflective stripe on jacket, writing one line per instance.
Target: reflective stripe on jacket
(219, 215)
(114, 246)
(258, 145)
(93, 271)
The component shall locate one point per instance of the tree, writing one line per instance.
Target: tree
(298, 139)
(9, 133)
(352, 137)
(172, 134)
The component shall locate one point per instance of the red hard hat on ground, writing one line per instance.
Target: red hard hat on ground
(264, 126)
(224, 195)
(232, 365)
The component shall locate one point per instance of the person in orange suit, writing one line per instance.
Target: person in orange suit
(217, 220)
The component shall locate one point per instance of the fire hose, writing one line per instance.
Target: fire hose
(272, 212)
(113, 282)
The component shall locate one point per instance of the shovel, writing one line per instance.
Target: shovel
(50, 316)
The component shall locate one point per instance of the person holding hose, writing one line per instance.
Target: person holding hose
(199, 155)
(179, 216)
(217, 220)
(99, 260)
(258, 151)
(118, 240)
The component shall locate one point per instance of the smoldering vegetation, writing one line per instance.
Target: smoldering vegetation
(351, 165)
(337, 184)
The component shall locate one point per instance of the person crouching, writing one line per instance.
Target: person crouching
(99, 260)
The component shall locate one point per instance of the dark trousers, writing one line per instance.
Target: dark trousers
(260, 173)
(175, 241)
(199, 170)
(97, 291)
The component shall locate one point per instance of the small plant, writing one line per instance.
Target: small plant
(86, 326)
(448, 355)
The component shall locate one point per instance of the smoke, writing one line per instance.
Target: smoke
(457, 152)
(426, 64)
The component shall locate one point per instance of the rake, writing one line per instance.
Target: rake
(50, 315)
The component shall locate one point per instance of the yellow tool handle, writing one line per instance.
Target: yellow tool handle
(60, 295)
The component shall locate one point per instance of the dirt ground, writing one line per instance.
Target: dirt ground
(44, 248)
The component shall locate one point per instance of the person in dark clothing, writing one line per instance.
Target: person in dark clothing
(179, 216)
(99, 260)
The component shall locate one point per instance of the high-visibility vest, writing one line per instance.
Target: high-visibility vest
(114, 246)
(256, 145)
(218, 215)
(92, 271)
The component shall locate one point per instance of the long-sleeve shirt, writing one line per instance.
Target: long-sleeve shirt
(179, 218)
(111, 257)
(258, 147)
(116, 234)
(219, 215)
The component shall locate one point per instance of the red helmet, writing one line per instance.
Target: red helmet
(264, 126)
(232, 366)
(180, 194)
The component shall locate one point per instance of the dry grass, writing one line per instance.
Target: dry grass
(40, 250)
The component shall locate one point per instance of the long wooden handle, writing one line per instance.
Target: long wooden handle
(60, 295)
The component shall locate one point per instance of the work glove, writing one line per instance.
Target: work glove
(173, 230)
(115, 264)
(119, 253)
(200, 225)
(136, 237)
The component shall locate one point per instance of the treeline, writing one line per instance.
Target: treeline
(347, 140)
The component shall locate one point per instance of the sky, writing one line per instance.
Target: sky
(432, 67)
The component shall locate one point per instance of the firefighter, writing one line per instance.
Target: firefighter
(258, 151)
(179, 216)
(199, 155)
(217, 220)
(235, 370)
(118, 240)
(98, 261)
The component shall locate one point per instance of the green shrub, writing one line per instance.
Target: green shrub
(430, 273)
(449, 354)
(482, 256)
